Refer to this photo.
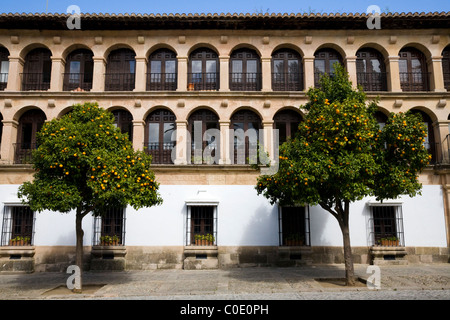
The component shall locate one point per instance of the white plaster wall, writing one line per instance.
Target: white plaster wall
(244, 219)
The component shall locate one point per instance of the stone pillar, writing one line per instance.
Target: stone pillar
(182, 73)
(141, 74)
(266, 70)
(225, 147)
(393, 71)
(9, 137)
(14, 74)
(138, 134)
(224, 73)
(308, 72)
(351, 69)
(180, 157)
(268, 139)
(98, 82)
(437, 74)
(57, 75)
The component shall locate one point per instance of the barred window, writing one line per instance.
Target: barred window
(386, 225)
(18, 226)
(201, 225)
(109, 229)
(294, 226)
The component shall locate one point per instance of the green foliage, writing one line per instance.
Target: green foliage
(84, 161)
(340, 154)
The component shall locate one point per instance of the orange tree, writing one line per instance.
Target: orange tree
(85, 164)
(340, 154)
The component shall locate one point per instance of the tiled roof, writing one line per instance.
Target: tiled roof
(285, 21)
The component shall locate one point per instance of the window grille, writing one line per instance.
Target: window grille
(201, 225)
(109, 227)
(386, 225)
(18, 224)
(294, 227)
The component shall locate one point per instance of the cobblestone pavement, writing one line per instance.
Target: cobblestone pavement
(412, 282)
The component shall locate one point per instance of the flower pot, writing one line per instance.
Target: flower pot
(190, 87)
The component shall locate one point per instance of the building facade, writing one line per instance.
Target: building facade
(170, 78)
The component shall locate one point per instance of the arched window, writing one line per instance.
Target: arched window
(124, 120)
(287, 122)
(370, 70)
(79, 70)
(4, 67)
(29, 124)
(287, 73)
(413, 70)
(203, 73)
(245, 70)
(245, 125)
(160, 125)
(430, 143)
(203, 126)
(324, 60)
(162, 71)
(120, 70)
(446, 67)
(37, 70)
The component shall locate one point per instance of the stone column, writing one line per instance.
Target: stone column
(351, 69)
(14, 74)
(98, 82)
(266, 70)
(141, 74)
(393, 77)
(9, 138)
(138, 134)
(437, 74)
(268, 139)
(225, 147)
(180, 157)
(308, 72)
(224, 73)
(57, 75)
(182, 73)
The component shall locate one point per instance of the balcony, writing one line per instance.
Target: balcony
(23, 152)
(161, 152)
(161, 81)
(205, 81)
(287, 81)
(414, 81)
(35, 81)
(245, 81)
(372, 81)
(119, 81)
(75, 81)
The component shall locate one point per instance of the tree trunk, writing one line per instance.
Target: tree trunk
(348, 258)
(79, 246)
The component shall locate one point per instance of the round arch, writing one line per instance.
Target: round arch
(289, 46)
(73, 47)
(202, 45)
(37, 45)
(160, 46)
(244, 45)
(333, 46)
(199, 108)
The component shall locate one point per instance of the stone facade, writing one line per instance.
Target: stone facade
(223, 35)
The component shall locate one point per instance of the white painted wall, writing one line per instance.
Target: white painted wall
(244, 219)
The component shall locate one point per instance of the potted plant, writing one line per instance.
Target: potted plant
(197, 239)
(115, 240)
(105, 240)
(191, 86)
(17, 241)
(209, 239)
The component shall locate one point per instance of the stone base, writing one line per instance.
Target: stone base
(108, 258)
(17, 259)
(388, 255)
(200, 257)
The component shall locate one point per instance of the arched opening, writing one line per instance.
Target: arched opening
(287, 70)
(162, 71)
(245, 125)
(324, 60)
(37, 70)
(160, 125)
(4, 68)
(371, 70)
(124, 121)
(245, 70)
(446, 67)
(203, 126)
(203, 70)
(29, 124)
(120, 70)
(413, 70)
(79, 70)
(286, 122)
(430, 142)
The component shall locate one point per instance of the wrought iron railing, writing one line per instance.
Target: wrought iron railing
(109, 229)
(77, 81)
(120, 81)
(23, 152)
(415, 81)
(17, 226)
(35, 81)
(161, 152)
(447, 80)
(372, 81)
(243, 81)
(203, 81)
(287, 81)
(3, 81)
(161, 81)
